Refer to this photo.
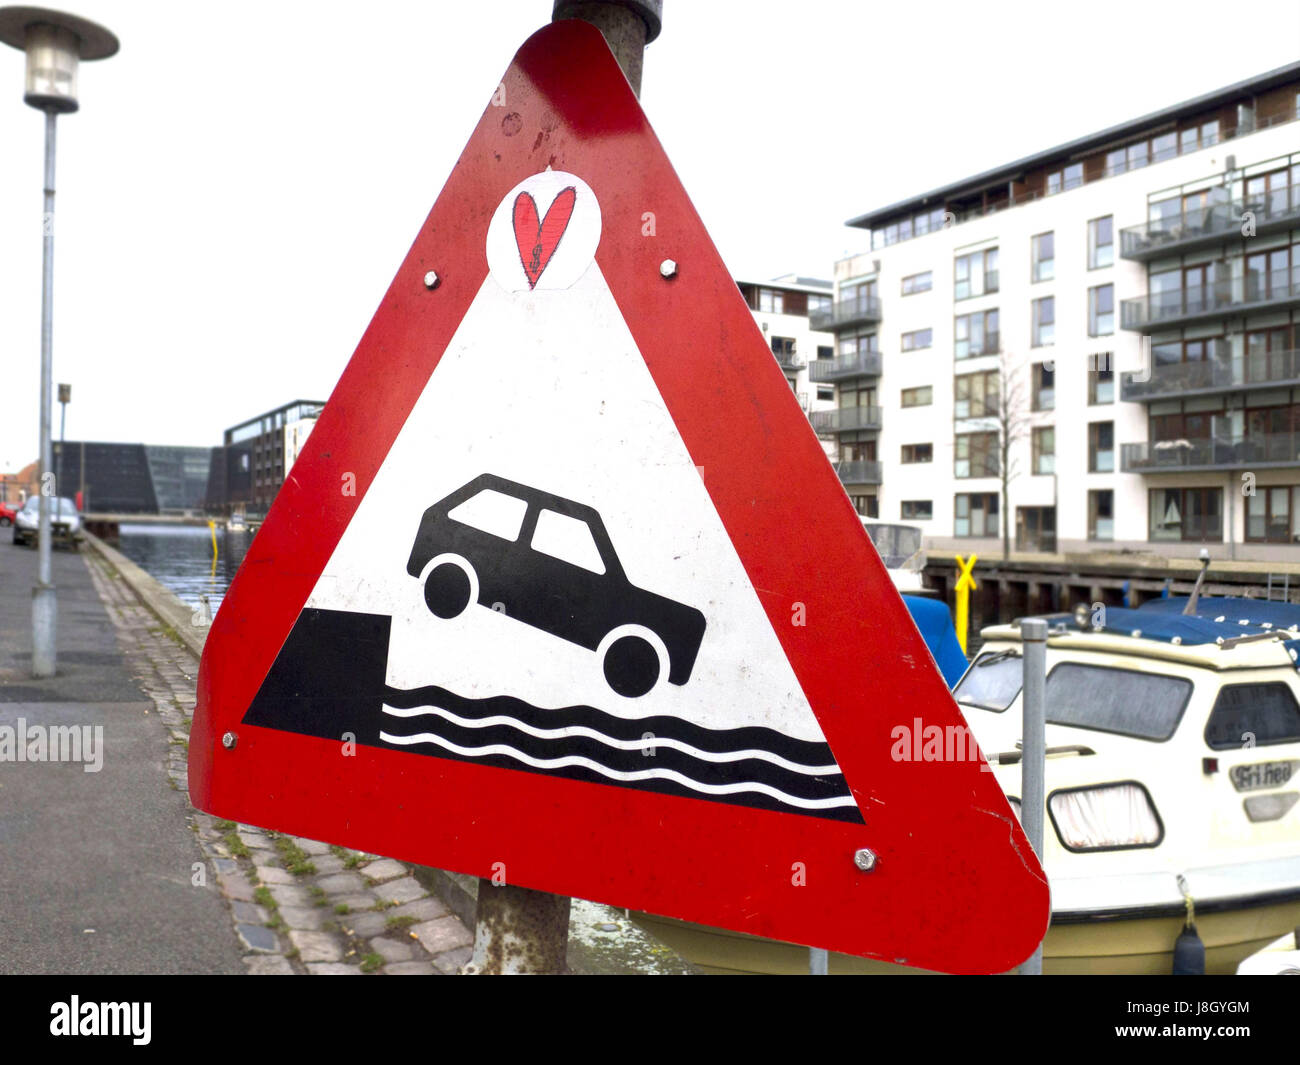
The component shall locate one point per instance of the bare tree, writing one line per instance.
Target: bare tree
(1013, 421)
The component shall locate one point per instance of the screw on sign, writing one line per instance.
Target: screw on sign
(509, 605)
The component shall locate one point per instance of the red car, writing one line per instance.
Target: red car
(7, 514)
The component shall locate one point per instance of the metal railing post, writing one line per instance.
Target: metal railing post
(1033, 755)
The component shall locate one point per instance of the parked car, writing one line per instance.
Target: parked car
(8, 513)
(548, 562)
(65, 522)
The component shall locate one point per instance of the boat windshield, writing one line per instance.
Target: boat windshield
(993, 682)
(895, 543)
(1147, 706)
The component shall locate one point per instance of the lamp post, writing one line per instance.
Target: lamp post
(54, 43)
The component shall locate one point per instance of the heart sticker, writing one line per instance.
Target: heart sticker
(536, 240)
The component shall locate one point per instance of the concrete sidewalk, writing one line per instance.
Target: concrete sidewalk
(96, 868)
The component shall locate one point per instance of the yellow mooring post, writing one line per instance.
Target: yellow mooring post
(965, 585)
(212, 528)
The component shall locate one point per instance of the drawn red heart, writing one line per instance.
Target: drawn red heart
(537, 241)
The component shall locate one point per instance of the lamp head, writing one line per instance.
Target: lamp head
(55, 43)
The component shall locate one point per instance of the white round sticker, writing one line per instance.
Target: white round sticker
(544, 233)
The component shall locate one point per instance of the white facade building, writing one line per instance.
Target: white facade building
(1169, 246)
(781, 308)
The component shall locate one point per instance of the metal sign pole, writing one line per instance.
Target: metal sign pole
(518, 930)
(1033, 755)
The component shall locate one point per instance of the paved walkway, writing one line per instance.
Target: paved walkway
(96, 868)
(295, 905)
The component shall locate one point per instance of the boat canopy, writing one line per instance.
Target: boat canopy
(1261, 612)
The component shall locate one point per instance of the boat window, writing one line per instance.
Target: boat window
(1147, 706)
(1253, 715)
(992, 682)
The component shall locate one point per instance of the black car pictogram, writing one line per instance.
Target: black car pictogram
(505, 548)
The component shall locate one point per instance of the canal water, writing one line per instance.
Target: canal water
(181, 557)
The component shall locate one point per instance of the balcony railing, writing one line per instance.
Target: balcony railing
(859, 364)
(1230, 296)
(1219, 374)
(858, 471)
(846, 419)
(1277, 209)
(788, 360)
(1218, 452)
(842, 314)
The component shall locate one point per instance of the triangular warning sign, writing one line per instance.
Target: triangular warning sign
(563, 587)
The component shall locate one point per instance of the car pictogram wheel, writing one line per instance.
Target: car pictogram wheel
(450, 586)
(632, 663)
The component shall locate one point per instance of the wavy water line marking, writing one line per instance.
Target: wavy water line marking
(623, 745)
(642, 774)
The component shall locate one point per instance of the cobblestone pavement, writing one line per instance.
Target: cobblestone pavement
(297, 905)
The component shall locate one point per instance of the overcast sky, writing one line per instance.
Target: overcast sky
(241, 185)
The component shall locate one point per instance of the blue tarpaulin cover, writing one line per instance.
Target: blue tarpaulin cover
(935, 625)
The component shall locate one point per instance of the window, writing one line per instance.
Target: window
(1101, 447)
(916, 340)
(1268, 515)
(1044, 321)
(1164, 147)
(772, 301)
(917, 509)
(975, 514)
(1101, 242)
(1101, 514)
(1068, 178)
(975, 455)
(918, 453)
(975, 395)
(1115, 162)
(975, 274)
(783, 347)
(1043, 442)
(1101, 311)
(568, 539)
(825, 351)
(492, 512)
(1043, 386)
(818, 302)
(825, 392)
(860, 344)
(1189, 514)
(1101, 381)
(1043, 256)
(976, 334)
(867, 506)
(1147, 706)
(1138, 155)
(918, 397)
(993, 682)
(1255, 715)
(917, 283)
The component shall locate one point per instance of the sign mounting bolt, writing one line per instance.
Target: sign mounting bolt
(432, 280)
(864, 859)
(229, 740)
(668, 269)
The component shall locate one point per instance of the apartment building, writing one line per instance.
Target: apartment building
(250, 465)
(1112, 321)
(782, 308)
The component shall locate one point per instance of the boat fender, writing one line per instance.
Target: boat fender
(1189, 953)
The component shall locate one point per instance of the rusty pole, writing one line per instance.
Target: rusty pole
(628, 26)
(518, 931)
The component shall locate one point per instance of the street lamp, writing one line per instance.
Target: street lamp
(55, 44)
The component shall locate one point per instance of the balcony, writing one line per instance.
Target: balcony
(859, 364)
(1212, 453)
(1205, 226)
(1210, 376)
(788, 360)
(846, 419)
(858, 471)
(1238, 295)
(844, 314)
